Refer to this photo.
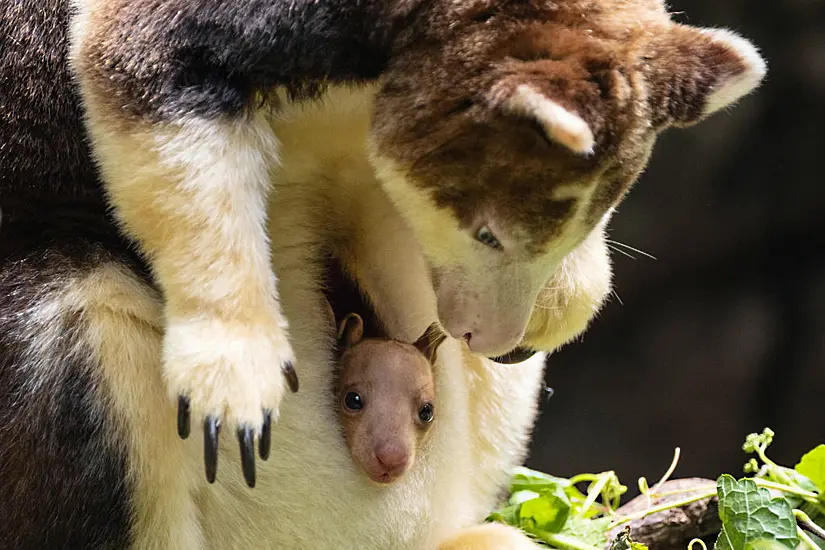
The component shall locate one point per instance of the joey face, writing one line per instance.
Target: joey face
(385, 400)
(506, 133)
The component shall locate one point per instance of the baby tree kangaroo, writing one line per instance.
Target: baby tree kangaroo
(386, 397)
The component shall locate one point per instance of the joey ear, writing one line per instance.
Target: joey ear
(429, 342)
(560, 124)
(695, 72)
(351, 331)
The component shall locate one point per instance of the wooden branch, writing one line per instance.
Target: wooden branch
(673, 529)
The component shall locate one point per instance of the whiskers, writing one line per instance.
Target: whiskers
(553, 295)
(626, 249)
(548, 302)
(547, 307)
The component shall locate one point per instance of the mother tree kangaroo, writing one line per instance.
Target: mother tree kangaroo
(176, 175)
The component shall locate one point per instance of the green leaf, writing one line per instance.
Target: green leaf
(548, 512)
(523, 472)
(751, 519)
(764, 545)
(591, 531)
(525, 479)
(528, 480)
(508, 515)
(521, 496)
(545, 511)
(812, 466)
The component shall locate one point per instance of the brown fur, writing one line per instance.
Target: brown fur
(450, 118)
(393, 380)
(530, 119)
(622, 66)
(160, 61)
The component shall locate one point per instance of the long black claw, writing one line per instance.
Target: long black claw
(291, 377)
(210, 447)
(246, 438)
(266, 435)
(183, 416)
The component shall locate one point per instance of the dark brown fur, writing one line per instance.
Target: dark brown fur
(623, 67)
(153, 60)
(63, 464)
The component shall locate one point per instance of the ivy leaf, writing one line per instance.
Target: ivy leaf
(525, 479)
(812, 466)
(521, 496)
(548, 512)
(544, 509)
(751, 519)
(508, 515)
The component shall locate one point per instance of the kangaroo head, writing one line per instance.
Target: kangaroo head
(506, 132)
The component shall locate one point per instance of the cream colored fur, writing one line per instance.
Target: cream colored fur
(194, 195)
(224, 337)
(309, 494)
(120, 320)
(124, 320)
(574, 294)
(561, 125)
(519, 287)
(492, 536)
(734, 89)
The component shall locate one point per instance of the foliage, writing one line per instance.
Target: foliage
(812, 466)
(776, 508)
(750, 517)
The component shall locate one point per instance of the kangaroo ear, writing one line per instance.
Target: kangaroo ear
(693, 72)
(429, 342)
(351, 331)
(560, 124)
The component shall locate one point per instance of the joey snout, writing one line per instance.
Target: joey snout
(390, 459)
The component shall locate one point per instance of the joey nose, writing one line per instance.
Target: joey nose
(392, 457)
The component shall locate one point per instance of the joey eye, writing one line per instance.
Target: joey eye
(353, 402)
(486, 237)
(426, 413)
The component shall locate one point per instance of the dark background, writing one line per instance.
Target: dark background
(724, 333)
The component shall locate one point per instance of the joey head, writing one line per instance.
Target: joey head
(385, 398)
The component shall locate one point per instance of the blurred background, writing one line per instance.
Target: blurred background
(724, 333)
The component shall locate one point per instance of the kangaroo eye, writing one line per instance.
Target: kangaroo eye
(486, 237)
(426, 413)
(353, 401)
